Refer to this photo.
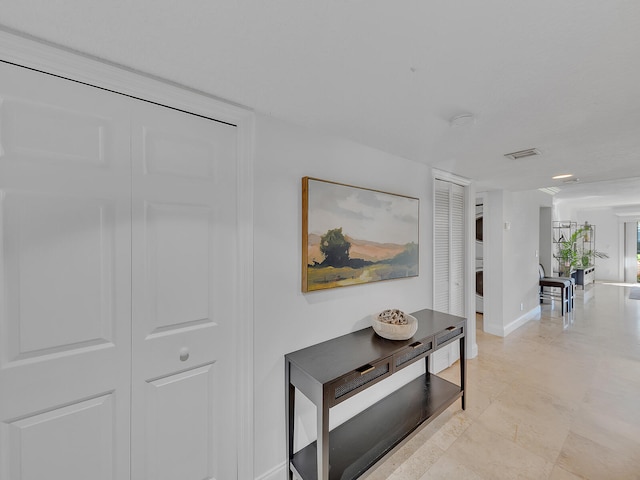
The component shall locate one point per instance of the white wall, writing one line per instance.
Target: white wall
(522, 244)
(493, 265)
(545, 240)
(511, 263)
(285, 318)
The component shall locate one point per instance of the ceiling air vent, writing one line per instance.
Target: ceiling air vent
(549, 190)
(530, 152)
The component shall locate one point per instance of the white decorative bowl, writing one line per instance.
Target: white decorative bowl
(392, 331)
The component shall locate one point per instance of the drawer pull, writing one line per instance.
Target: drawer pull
(450, 328)
(366, 369)
(416, 345)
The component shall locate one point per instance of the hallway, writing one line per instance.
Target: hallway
(554, 400)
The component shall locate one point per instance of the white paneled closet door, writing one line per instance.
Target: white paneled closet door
(118, 286)
(449, 259)
(65, 273)
(184, 284)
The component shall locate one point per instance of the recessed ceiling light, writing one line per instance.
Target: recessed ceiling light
(564, 175)
(529, 152)
(571, 180)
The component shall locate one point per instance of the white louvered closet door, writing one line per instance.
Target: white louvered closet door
(442, 241)
(448, 262)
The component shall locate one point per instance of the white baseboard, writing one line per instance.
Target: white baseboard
(496, 330)
(503, 331)
(518, 322)
(278, 472)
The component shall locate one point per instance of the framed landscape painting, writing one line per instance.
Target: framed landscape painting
(353, 235)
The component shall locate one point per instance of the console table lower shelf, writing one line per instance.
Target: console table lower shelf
(359, 443)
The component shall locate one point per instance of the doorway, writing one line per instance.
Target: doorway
(632, 252)
(479, 264)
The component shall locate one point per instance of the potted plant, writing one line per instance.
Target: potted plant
(586, 258)
(589, 255)
(568, 256)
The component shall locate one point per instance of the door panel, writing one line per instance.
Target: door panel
(65, 280)
(442, 244)
(178, 255)
(61, 135)
(179, 411)
(179, 153)
(457, 253)
(71, 443)
(184, 237)
(54, 236)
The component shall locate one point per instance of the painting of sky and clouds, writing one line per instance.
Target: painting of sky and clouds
(355, 235)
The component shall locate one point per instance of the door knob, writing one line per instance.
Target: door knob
(184, 354)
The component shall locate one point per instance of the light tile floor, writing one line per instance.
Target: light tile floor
(557, 399)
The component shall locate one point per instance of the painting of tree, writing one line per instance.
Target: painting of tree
(335, 248)
(355, 235)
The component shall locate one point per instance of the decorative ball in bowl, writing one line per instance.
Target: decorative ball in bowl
(394, 324)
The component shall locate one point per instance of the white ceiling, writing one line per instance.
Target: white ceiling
(622, 195)
(559, 75)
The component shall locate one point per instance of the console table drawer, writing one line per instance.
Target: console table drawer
(359, 379)
(413, 352)
(449, 335)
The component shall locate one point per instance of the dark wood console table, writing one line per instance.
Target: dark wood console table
(330, 372)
